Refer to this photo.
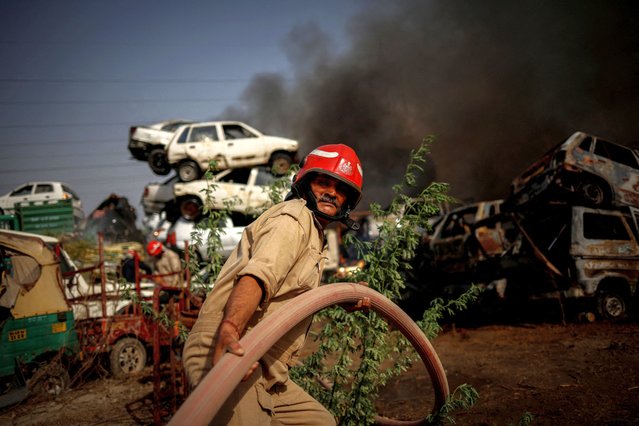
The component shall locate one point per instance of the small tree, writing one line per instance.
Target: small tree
(360, 342)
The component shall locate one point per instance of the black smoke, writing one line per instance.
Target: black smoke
(497, 82)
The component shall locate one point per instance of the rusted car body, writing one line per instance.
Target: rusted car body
(587, 256)
(455, 244)
(587, 253)
(605, 250)
(589, 169)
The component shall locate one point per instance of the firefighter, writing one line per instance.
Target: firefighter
(165, 261)
(281, 255)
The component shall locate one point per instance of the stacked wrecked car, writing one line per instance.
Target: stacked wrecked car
(567, 230)
(246, 163)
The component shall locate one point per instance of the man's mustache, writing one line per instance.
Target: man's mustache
(325, 198)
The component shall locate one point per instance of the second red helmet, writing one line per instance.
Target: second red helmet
(154, 248)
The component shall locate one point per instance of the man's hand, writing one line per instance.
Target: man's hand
(362, 304)
(228, 340)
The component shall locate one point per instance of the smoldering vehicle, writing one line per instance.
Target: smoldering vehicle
(568, 231)
(585, 168)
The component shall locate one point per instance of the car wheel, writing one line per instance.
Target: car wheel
(128, 356)
(280, 163)
(188, 171)
(158, 162)
(51, 380)
(612, 306)
(191, 208)
(593, 193)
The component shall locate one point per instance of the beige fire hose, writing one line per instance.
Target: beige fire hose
(205, 401)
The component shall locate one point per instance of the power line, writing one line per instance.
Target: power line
(98, 102)
(65, 142)
(70, 156)
(124, 80)
(75, 167)
(27, 126)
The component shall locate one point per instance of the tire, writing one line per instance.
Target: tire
(280, 163)
(593, 193)
(52, 380)
(612, 306)
(191, 208)
(158, 162)
(127, 357)
(189, 171)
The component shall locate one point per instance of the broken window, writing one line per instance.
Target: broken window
(237, 176)
(616, 153)
(604, 227)
(586, 143)
(235, 131)
(203, 133)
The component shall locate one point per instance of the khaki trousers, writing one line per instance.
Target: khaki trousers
(251, 404)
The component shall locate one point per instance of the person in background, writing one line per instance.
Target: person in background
(165, 261)
(127, 266)
(281, 255)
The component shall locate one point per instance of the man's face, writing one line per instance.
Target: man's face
(329, 192)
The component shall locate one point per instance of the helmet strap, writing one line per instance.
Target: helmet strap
(311, 202)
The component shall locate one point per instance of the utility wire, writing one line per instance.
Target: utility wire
(124, 80)
(65, 142)
(74, 168)
(27, 126)
(125, 101)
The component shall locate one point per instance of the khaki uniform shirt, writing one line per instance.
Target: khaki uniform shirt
(169, 262)
(284, 249)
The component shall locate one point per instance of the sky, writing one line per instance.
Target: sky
(76, 75)
(496, 83)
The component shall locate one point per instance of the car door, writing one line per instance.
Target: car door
(202, 144)
(190, 143)
(620, 167)
(234, 190)
(259, 192)
(243, 145)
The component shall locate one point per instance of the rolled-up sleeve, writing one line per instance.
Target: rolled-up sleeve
(274, 252)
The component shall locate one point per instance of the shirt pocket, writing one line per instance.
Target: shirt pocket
(310, 275)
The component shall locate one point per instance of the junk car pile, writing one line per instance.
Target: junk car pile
(568, 230)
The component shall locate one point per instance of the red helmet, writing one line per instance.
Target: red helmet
(338, 161)
(154, 248)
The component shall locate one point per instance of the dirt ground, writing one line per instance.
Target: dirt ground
(575, 374)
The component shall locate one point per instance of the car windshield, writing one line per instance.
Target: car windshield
(23, 190)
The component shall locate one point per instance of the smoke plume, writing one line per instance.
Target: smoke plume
(496, 82)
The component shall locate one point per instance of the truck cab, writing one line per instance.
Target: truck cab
(593, 252)
(605, 250)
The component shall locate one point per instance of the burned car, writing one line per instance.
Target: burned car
(454, 245)
(586, 258)
(594, 252)
(588, 169)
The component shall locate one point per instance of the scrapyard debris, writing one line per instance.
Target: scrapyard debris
(585, 170)
(546, 239)
(115, 219)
